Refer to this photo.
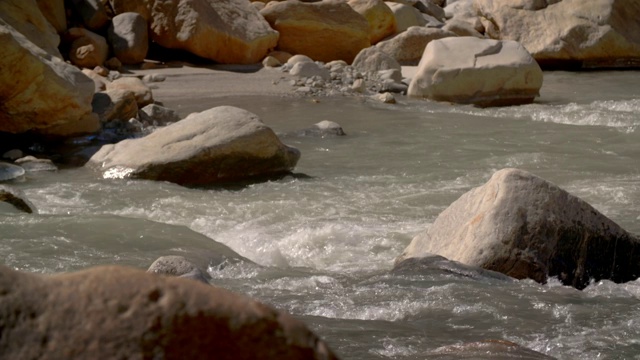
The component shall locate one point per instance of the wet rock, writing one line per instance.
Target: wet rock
(569, 33)
(324, 128)
(476, 71)
(221, 145)
(33, 164)
(178, 266)
(142, 92)
(324, 31)
(226, 31)
(525, 227)
(158, 115)
(486, 350)
(39, 92)
(386, 98)
(15, 197)
(129, 38)
(13, 154)
(407, 48)
(88, 49)
(382, 22)
(437, 264)
(115, 104)
(117, 312)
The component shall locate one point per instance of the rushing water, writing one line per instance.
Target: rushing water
(325, 244)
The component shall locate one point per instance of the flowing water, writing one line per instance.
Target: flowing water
(325, 243)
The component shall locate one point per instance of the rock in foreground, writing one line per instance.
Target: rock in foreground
(16, 198)
(525, 227)
(117, 313)
(475, 71)
(221, 145)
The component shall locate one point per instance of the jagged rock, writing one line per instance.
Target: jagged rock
(408, 47)
(39, 92)
(571, 33)
(382, 22)
(158, 115)
(226, 31)
(525, 227)
(324, 31)
(116, 312)
(476, 71)
(221, 145)
(15, 197)
(129, 37)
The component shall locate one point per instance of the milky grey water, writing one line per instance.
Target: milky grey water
(324, 244)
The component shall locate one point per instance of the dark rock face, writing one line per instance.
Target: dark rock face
(16, 198)
(525, 227)
(123, 313)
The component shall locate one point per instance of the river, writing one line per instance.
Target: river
(325, 242)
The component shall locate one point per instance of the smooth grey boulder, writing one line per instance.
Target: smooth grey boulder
(33, 164)
(113, 312)
(129, 37)
(10, 171)
(16, 198)
(372, 60)
(525, 227)
(221, 145)
(477, 71)
(174, 265)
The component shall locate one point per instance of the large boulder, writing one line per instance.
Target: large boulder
(38, 90)
(382, 22)
(220, 145)
(476, 71)
(572, 33)
(226, 31)
(25, 17)
(129, 37)
(408, 47)
(406, 16)
(54, 12)
(325, 31)
(371, 60)
(88, 49)
(123, 313)
(525, 227)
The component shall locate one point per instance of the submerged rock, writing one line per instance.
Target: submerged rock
(33, 164)
(16, 198)
(525, 227)
(476, 71)
(486, 350)
(221, 145)
(174, 265)
(116, 312)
